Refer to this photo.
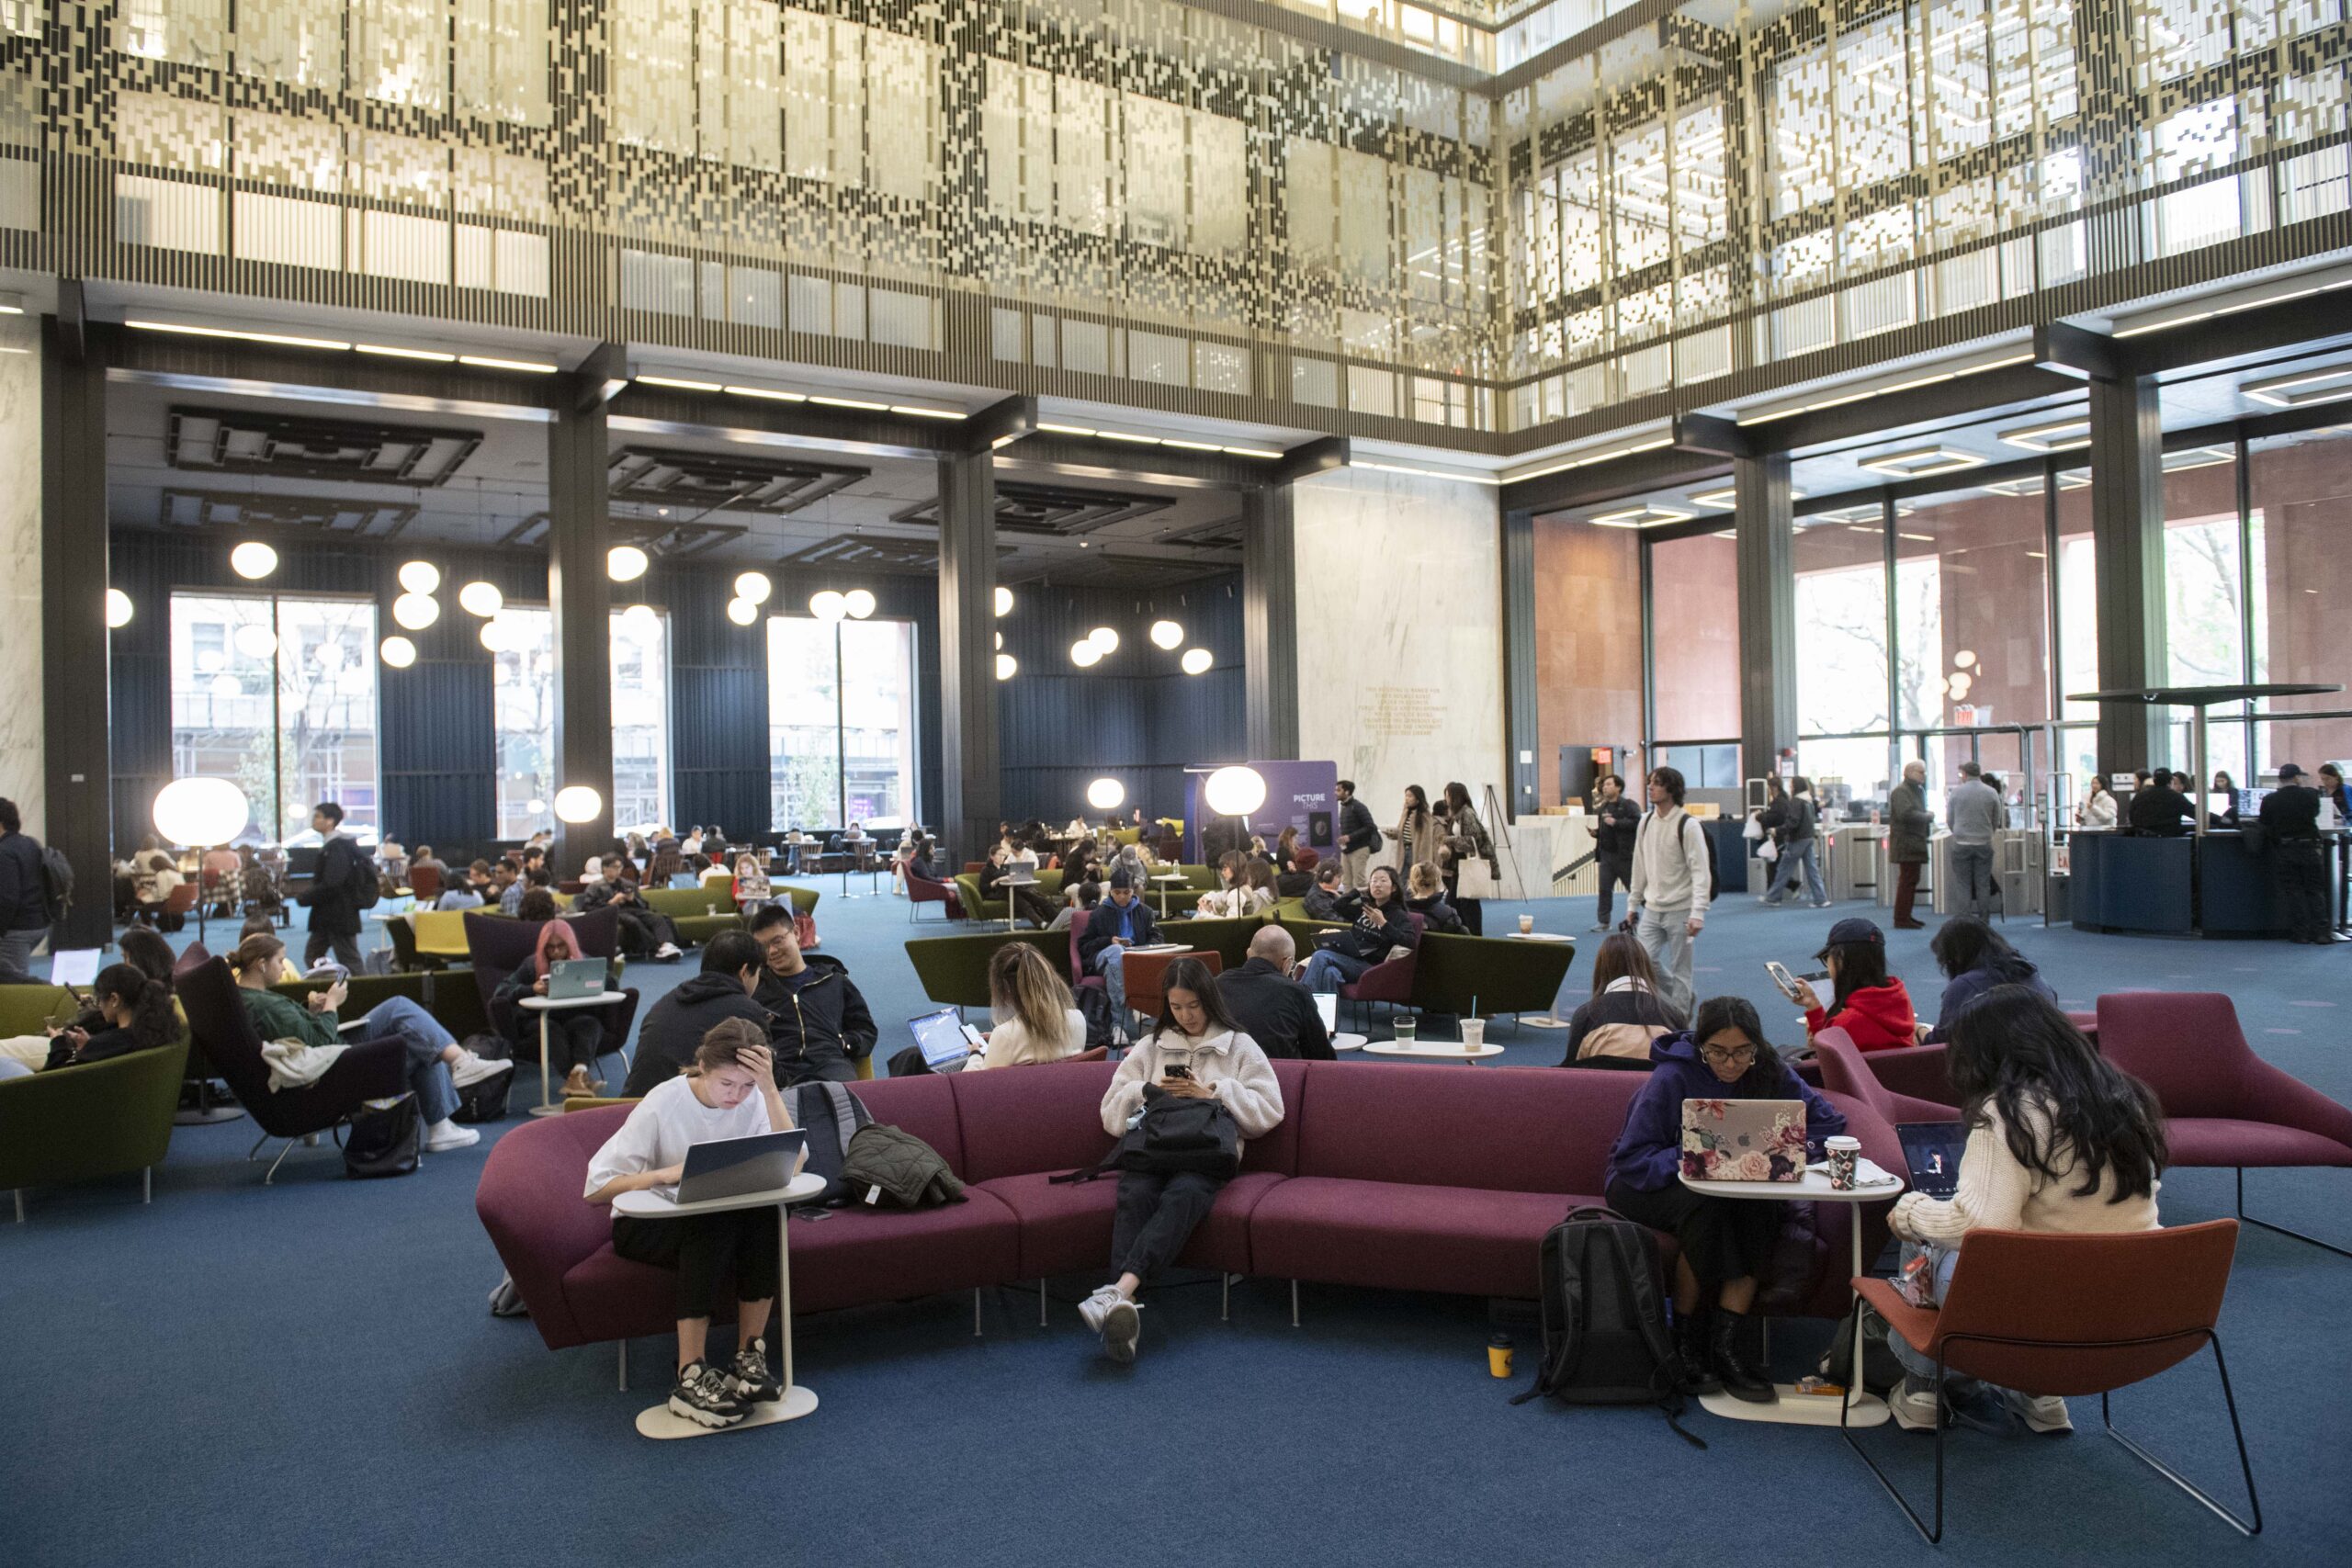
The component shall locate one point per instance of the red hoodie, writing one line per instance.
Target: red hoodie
(1877, 1017)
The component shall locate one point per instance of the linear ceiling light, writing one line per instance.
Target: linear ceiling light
(2198, 458)
(283, 340)
(2317, 386)
(1643, 516)
(391, 351)
(491, 362)
(1855, 395)
(1921, 462)
(1423, 473)
(1609, 455)
(859, 403)
(2059, 436)
(2256, 303)
(771, 393)
(681, 384)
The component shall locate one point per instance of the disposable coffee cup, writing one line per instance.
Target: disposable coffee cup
(1406, 1027)
(1474, 1034)
(1498, 1356)
(1526, 925)
(1845, 1153)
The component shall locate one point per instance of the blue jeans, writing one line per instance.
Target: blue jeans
(1327, 971)
(422, 1034)
(1802, 854)
(16, 954)
(1112, 964)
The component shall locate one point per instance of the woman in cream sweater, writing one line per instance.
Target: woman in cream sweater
(1036, 1019)
(2059, 1139)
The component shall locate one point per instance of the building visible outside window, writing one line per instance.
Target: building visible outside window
(841, 722)
(640, 650)
(277, 696)
(523, 719)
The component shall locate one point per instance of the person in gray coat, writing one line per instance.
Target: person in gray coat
(1909, 825)
(1975, 811)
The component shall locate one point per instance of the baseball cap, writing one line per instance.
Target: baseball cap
(1851, 929)
(2289, 771)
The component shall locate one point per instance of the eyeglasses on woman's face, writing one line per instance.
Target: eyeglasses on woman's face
(1727, 1056)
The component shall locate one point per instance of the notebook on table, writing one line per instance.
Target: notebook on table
(1743, 1140)
(946, 1040)
(1932, 1151)
(728, 1167)
(572, 977)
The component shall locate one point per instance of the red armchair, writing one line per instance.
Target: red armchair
(2072, 1314)
(1390, 980)
(1078, 978)
(1145, 972)
(1847, 1069)
(2225, 1107)
(923, 890)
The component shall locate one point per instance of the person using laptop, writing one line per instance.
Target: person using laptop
(1725, 1242)
(674, 1026)
(1868, 1003)
(1121, 921)
(1195, 1052)
(822, 1026)
(1270, 1007)
(1035, 1018)
(2059, 1139)
(728, 1092)
(575, 1036)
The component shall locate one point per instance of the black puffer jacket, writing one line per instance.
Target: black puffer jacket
(822, 1028)
(667, 1039)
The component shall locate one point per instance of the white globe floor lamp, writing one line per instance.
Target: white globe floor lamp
(203, 814)
(1235, 791)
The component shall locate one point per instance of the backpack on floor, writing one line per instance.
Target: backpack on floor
(383, 1139)
(1101, 1018)
(831, 1117)
(486, 1100)
(1604, 1318)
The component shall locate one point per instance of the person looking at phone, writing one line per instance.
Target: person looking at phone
(1379, 920)
(1035, 1019)
(128, 1011)
(1725, 1240)
(1868, 1003)
(1194, 1051)
(437, 1065)
(1667, 899)
(730, 1091)
(1121, 921)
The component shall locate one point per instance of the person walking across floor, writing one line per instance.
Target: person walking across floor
(1909, 826)
(2298, 857)
(343, 876)
(24, 898)
(1974, 810)
(1615, 821)
(1419, 834)
(1794, 819)
(1667, 897)
(1358, 835)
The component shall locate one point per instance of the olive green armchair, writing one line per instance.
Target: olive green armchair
(76, 1123)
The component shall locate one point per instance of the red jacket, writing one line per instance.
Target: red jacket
(1877, 1017)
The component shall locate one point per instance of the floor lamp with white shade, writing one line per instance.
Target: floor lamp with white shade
(203, 814)
(1235, 791)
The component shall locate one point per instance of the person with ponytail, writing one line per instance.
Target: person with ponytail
(438, 1065)
(130, 1013)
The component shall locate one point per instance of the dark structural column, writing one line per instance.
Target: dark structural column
(74, 618)
(1763, 512)
(1522, 755)
(580, 593)
(970, 791)
(2128, 543)
(1269, 623)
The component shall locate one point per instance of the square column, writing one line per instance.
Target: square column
(1269, 622)
(1764, 514)
(970, 793)
(2128, 542)
(579, 507)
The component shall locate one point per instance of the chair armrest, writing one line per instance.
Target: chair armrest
(1917, 1072)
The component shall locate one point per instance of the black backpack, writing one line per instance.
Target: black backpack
(366, 888)
(1178, 1135)
(383, 1140)
(485, 1100)
(56, 884)
(1604, 1318)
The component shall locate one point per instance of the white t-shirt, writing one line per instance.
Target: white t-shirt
(666, 1124)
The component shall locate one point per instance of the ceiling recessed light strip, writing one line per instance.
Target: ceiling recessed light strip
(1643, 516)
(1423, 473)
(2058, 435)
(390, 351)
(2256, 303)
(1136, 438)
(2325, 384)
(1858, 394)
(2198, 458)
(339, 345)
(681, 384)
(1609, 455)
(282, 340)
(1922, 462)
(491, 362)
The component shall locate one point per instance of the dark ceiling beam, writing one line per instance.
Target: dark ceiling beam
(2307, 322)
(1637, 473)
(73, 319)
(1713, 434)
(228, 369)
(2070, 351)
(1309, 458)
(1133, 462)
(1008, 418)
(665, 410)
(1874, 414)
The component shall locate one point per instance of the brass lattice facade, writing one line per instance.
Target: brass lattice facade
(1315, 214)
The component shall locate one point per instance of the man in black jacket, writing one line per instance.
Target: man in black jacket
(2164, 808)
(24, 898)
(666, 1041)
(2298, 857)
(1121, 921)
(1616, 821)
(1358, 835)
(333, 896)
(822, 1028)
(1273, 1009)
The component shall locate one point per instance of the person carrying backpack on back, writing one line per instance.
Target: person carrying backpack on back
(24, 898)
(335, 895)
(1673, 879)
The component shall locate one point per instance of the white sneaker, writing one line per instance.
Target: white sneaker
(666, 950)
(471, 1069)
(1913, 1405)
(1096, 1307)
(450, 1135)
(2043, 1414)
(1122, 1326)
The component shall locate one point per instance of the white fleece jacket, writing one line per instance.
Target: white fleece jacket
(1230, 1065)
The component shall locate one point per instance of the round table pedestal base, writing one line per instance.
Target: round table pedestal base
(1795, 1409)
(554, 1110)
(656, 1422)
(1544, 1020)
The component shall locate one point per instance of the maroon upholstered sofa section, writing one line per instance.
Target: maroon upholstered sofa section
(1389, 1175)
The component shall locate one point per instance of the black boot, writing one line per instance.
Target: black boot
(1743, 1379)
(1698, 1375)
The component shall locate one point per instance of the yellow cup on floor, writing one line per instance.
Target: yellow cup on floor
(1498, 1356)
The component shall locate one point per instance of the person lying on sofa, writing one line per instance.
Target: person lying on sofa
(437, 1065)
(1381, 921)
(1195, 1052)
(821, 1027)
(730, 1091)
(673, 1027)
(2059, 1139)
(1725, 1240)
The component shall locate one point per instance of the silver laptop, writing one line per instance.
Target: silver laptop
(728, 1167)
(571, 978)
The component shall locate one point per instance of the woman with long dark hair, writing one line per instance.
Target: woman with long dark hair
(1868, 1003)
(1624, 1017)
(1194, 1051)
(2059, 1139)
(1975, 958)
(1420, 835)
(130, 1011)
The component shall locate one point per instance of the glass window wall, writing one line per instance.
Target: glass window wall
(841, 722)
(523, 720)
(1694, 652)
(640, 656)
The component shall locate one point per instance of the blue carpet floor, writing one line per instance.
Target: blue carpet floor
(307, 1373)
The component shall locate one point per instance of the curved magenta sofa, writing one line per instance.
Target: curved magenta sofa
(1393, 1175)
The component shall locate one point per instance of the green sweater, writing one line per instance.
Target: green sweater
(278, 1016)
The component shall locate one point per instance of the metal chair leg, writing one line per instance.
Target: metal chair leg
(147, 1184)
(975, 1311)
(1041, 1303)
(622, 1346)
(20, 1205)
(254, 1152)
(2282, 1230)
(2245, 1467)
(1224, 1296)
(270, 1176)
(1293, 1303)
(1845, 1406)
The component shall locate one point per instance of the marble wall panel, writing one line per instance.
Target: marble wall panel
(21, 748)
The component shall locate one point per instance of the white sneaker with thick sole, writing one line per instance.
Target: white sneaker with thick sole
(1122, 1326)
(450, 1135)
(471, 1069)
(1913, 1405)
(2043, 1414)
(1094, 1308)
(666, 950)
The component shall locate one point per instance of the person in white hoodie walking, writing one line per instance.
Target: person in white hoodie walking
(1666, 899)
(1195, 1052)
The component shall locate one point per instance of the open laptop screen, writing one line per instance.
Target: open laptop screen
(1932, 1151)
(1327, 1004)
(941, 1037)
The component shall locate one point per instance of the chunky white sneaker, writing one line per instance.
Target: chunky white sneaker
(1122, 1326)
(704, 1398)
(471, 1069)
(1913, 1405)
(668, 950)
(1096, 1307)
(2043, 1414)
(450, 1135)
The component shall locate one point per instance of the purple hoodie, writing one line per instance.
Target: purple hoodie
(1648, 1152)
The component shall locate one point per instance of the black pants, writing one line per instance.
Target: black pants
(575, 1039)
(346, 949)
(1613, 871)
(643, 931)
(1030, 905)
(1724, 1238)
(704, 1249)
(1156, 1215)
(2302, 869)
